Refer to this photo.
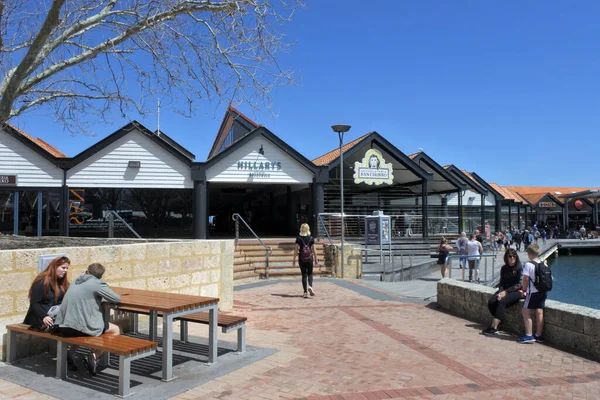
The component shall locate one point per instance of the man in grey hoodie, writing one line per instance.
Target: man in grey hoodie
(81, 312)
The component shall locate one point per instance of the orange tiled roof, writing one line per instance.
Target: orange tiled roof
(506, 193)
(499, 190)
(524, 190)
(516, 194)
(327, 158)
(48, 148)
(470, 176)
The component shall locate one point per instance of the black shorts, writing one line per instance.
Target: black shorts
(534, 301)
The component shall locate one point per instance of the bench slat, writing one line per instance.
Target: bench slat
(225, 320)
(120, 345)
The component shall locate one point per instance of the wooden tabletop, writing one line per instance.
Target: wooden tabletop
(160, 301)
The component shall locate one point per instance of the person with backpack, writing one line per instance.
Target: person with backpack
(305, 249)
(537, 282)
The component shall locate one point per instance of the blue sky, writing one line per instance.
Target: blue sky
(510, 90)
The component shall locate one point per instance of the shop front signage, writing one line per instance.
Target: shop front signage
(547, 204)
(259, 169)
(373, 170)
(8, 180)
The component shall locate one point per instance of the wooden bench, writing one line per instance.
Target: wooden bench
(127, 348)
(228, 323)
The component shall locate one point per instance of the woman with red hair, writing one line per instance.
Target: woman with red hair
(47, 290)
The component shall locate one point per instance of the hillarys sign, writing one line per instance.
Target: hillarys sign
(373, 170)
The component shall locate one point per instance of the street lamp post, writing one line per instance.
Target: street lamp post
(340, 130)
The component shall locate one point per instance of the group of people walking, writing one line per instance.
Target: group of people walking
(74, 309)
(470, 250)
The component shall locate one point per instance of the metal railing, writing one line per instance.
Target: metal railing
(395, 265)
(243, 231)
(322, 228)
(112, 215)
(462, 260)
(403, 225)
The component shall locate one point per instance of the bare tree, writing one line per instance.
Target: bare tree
(86, 57)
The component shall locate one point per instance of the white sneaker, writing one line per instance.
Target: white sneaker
(311, 291)
(305, 295)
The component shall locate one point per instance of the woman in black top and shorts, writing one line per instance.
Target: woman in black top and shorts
(509, 292)
(443, 251)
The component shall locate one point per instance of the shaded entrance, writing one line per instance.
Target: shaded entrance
(275, 210)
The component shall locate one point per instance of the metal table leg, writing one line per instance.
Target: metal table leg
(167, 348)
(153, 327)
(213, 318)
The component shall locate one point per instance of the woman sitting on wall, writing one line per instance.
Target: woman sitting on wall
(47, 290)
(509, 291)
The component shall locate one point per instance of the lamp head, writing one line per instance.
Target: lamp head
(340, 128)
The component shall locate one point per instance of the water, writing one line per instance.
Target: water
(576, 280)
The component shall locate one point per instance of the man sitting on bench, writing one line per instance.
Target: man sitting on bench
(81, 312)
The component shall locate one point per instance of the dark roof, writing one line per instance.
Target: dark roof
(422, 156)
(467, 179)
(390, 148)
(234, 114)
(485, 184)
(261, 130)
(162, 135)
(181, 154)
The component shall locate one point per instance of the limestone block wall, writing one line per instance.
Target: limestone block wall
(197, 267)
(352, 261)
(574, 328)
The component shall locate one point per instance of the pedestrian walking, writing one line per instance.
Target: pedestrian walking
(461, 248)
(307, 258)
(474, 251)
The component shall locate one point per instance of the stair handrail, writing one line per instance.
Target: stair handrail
(237, 218)
(322, 222)
(111, 224)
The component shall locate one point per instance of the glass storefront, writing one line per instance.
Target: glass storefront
(152, 213)
(29, 219)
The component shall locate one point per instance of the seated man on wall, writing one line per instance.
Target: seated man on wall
(81, 312)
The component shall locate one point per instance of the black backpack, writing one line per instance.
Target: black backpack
(543, 277)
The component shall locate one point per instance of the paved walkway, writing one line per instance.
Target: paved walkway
(347, 344)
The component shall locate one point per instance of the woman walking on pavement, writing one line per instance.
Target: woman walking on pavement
(443, 251)
(305, 250)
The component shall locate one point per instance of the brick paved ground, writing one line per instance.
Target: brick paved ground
(342, 345)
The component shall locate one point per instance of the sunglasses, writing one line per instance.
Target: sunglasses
(512, 256)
